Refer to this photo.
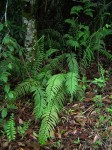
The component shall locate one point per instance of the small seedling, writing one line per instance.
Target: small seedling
(77, 141)
(98, 100)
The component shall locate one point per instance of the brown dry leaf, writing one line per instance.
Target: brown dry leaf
(93, 113)
(21, 144)
(96, 138)
(33, 137)
(83, 121)
(29, 131)
(90, 95)
(22, 149)
(110, 128)
(68, 132)
(88, 99)
(5, 144)
(21, 121)
(58, 134)
(107, 101)
(74, 132)
(75, 106)
(73, 113)
(34, 145)
(91, 121)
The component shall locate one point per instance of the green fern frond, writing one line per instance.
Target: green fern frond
(22, 129)
(72, 83)
(50, 52)
(54, 84)
(55, 100)
(38, 56)
(55, 64)
(106, 53)
(10, 129)
(72, 63)
(88, 56)
(59, 99)
(39, 101)
(44, 76)
(25, 87)
(53, 37)
(49, 121)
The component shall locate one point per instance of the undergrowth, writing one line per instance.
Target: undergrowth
(50, 76)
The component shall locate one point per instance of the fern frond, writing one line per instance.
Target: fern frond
(88, 56)
(39, 101)
(106, 53)
(50, 52)
(72, 83)
(72, 63)
(10, 129)
(25, 87)
(55, 64)
(53, 37)
(49, 121)
(54, 84)
(44, 75)
(38, 58)
(55, 100)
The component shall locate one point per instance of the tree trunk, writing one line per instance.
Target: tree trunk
(29, 22)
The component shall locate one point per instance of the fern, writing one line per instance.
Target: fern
(25, 87)
(72, 63)
(10, 128)
(53, 37)
(55, 99)
(50, 52)
(39, 101)
(72, 83)
(49, 121)
(38, 55)
(22, 129)
(54, 85)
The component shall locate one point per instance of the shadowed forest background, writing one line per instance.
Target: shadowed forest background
(56, 75)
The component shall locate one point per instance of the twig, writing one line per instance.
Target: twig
(6, 7)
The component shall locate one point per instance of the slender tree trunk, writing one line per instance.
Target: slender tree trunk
(29, 22)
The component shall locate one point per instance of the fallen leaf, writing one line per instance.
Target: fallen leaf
(21, 121)
(96, 138)
(110, 128)
(5, 144)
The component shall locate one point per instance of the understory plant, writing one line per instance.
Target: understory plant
(49, 84)
(88, 44)
(50, 76)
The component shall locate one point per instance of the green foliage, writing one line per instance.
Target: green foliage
(101, 81)
(10, 128)
(72, 83)
(22, 129)
(72, 63)
(47, 88)
(39, 101)
(82, 40)
(50, 72)
(49, 121)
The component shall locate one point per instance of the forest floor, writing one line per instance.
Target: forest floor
(83, 125)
